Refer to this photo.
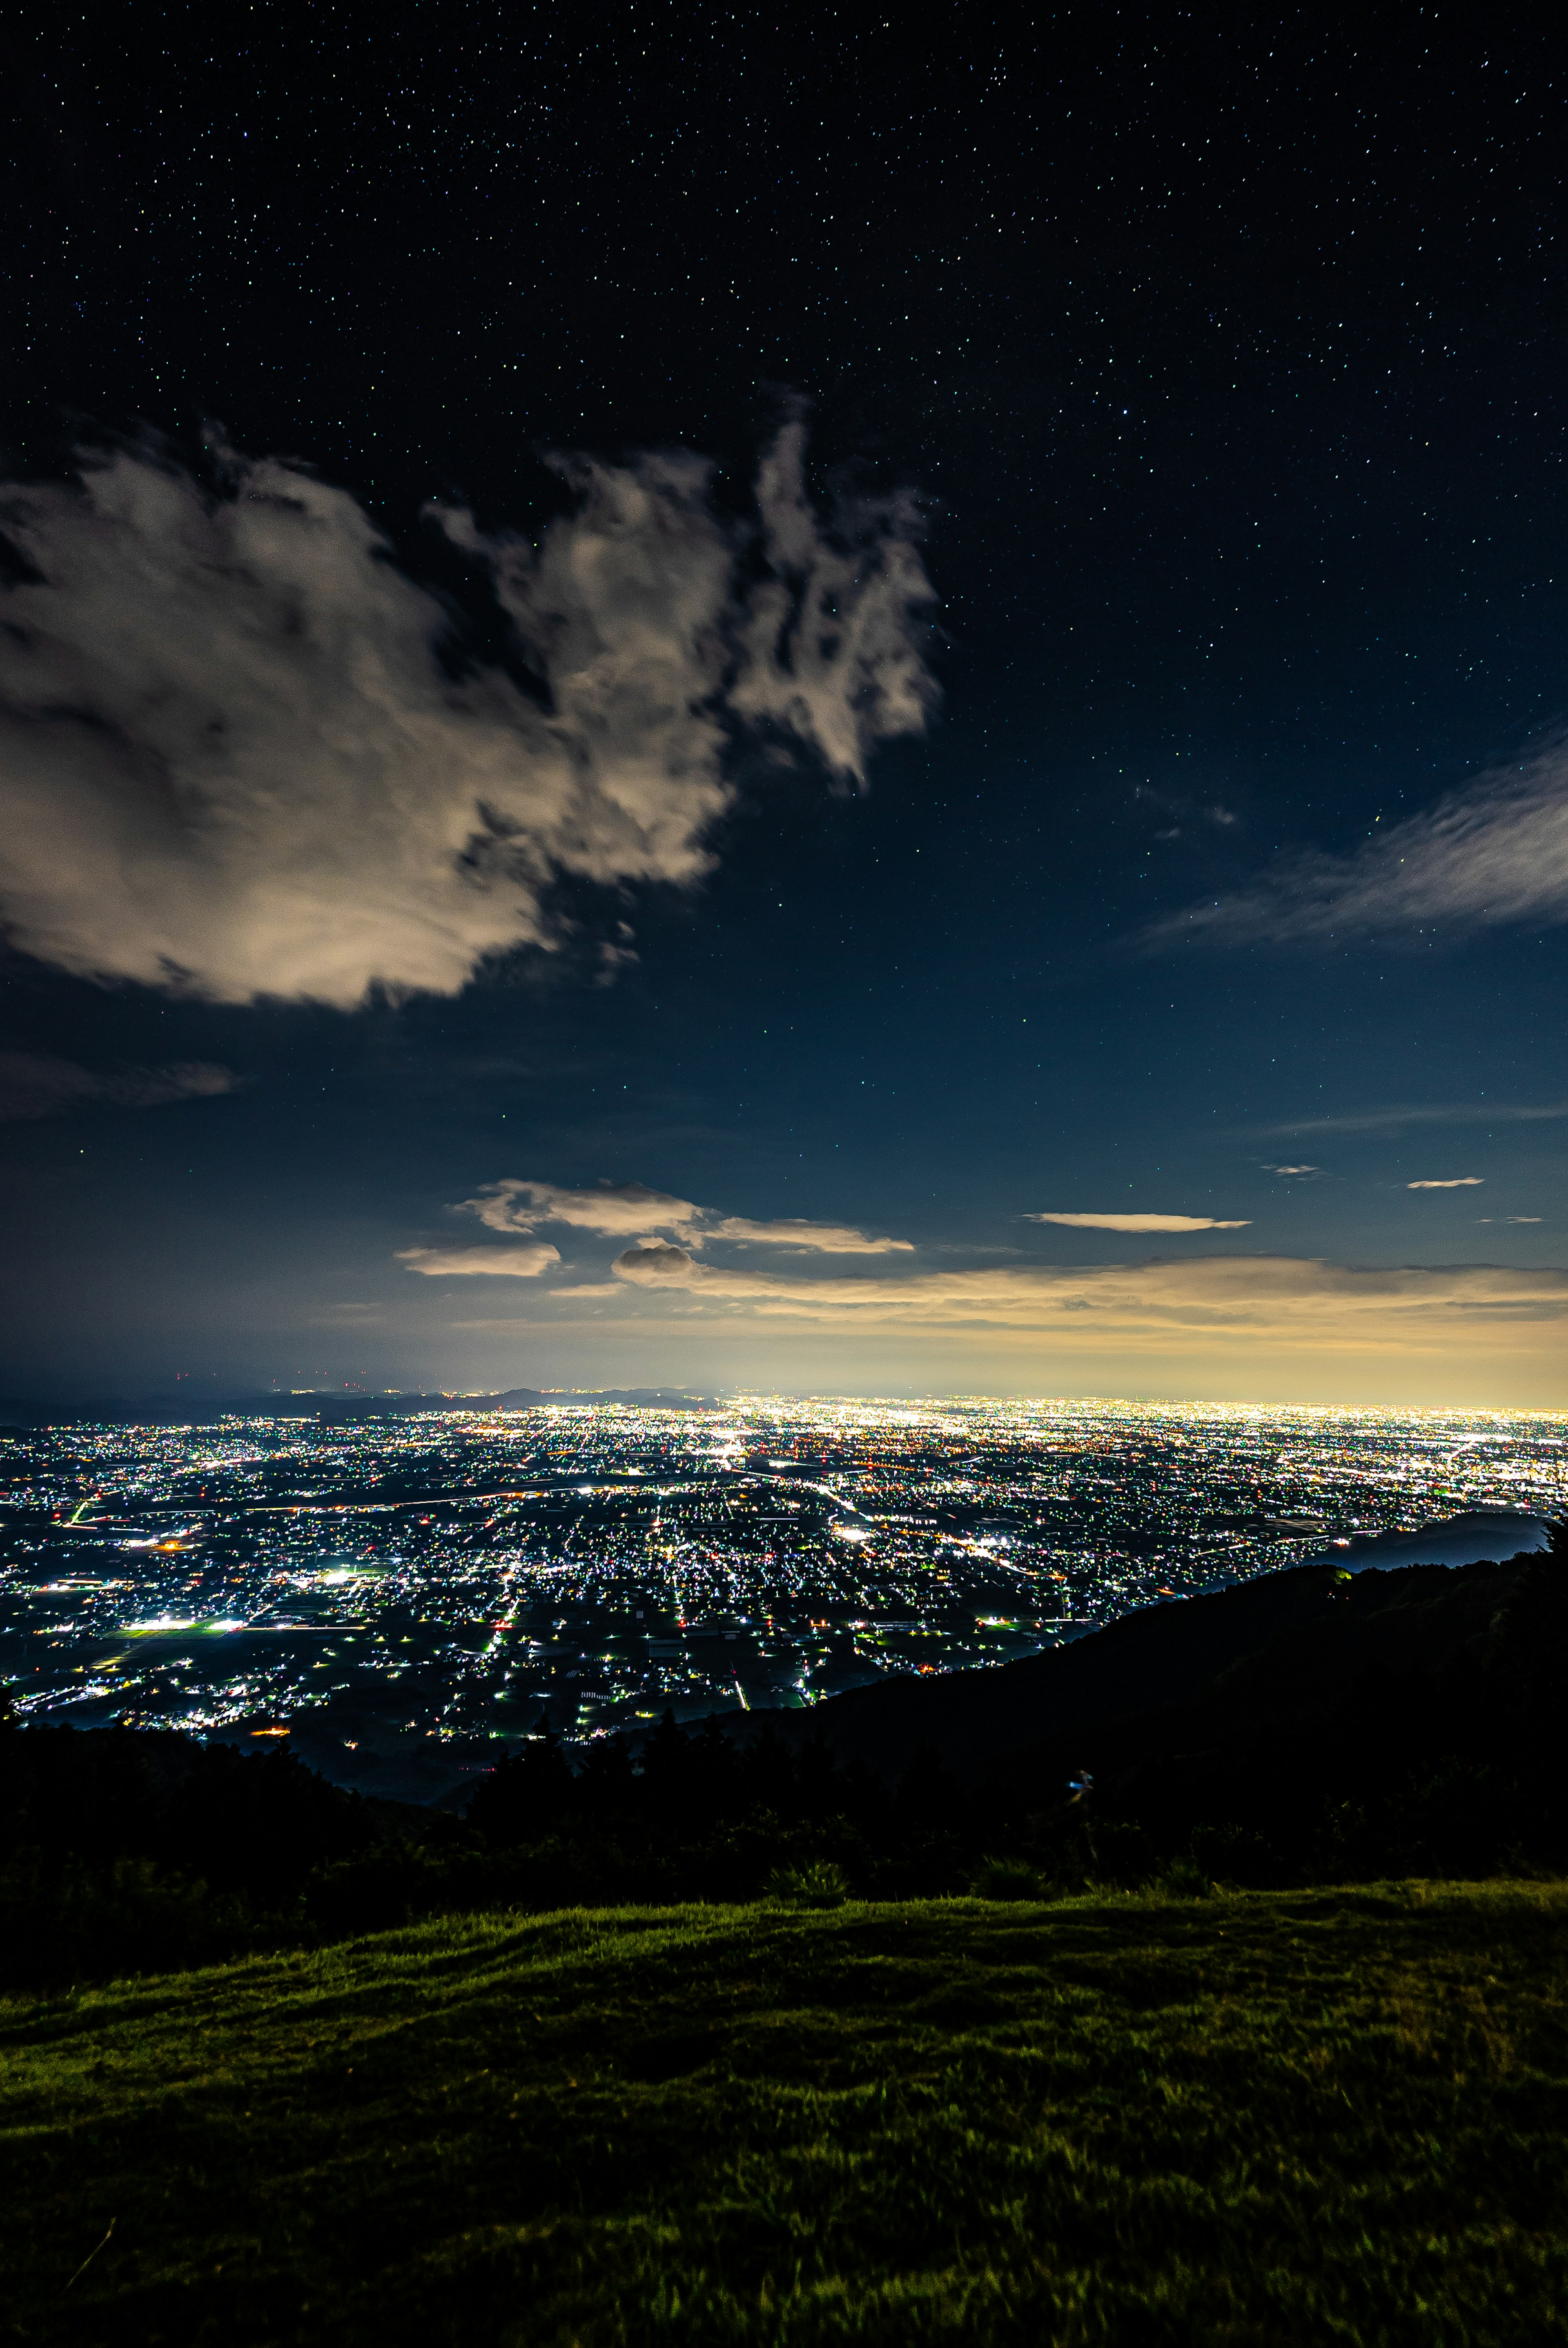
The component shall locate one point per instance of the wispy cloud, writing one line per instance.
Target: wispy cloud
(230, 759)
(1449, 1182)
(1113, 1222)
(817, 1238)
(1494, 853)
(1399, 1115)
(623, 1209)
(489, 1263)
(1293, 1173)
(37, 1084)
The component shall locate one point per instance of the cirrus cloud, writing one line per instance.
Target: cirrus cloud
(39, 1084)
(232, 760)
(1115, 1222)
(1493, 853)
(1449, 1182)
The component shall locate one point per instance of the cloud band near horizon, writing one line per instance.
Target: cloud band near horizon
(1278, 1299)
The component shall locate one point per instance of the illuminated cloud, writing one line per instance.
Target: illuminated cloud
(1161, 1306)
(817, 1239)
(1451, 1182)
(1293, 1172)
(1493, 853)
(231, 761)
(624, 1209)
(655, 1264)
(489, 1263)
(37, 1084)
(1141, 1222)
(617, 1209)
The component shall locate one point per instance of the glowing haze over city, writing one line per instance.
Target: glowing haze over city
(899, 745)
(399, 1597)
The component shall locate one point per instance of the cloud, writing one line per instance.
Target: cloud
(232, 761)
(1141, 1222)
(624, 1209)
(1397, 1116)
(1451, 1182)
(657, 1265)
(1165, 1304)
(1494, 853)
(617, 1209)
(490, 1263)
(793, 1231)
(37, 1084)
(1289, 1172)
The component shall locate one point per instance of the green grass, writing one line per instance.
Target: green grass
(1333, 2116)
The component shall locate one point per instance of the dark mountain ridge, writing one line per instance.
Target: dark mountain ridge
(1299, 1639)
(1307, 1725)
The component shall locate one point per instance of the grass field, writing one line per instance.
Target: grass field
(1270, 2119)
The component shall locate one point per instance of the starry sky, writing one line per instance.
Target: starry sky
(802, 701)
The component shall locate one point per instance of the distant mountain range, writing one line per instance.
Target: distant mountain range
(332, 1409)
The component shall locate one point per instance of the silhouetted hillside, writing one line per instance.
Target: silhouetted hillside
(1305, 1728)
(1305, 1724)
(1298, 1639)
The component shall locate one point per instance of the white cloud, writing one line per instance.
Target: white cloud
(1451, 1182)
(488, 1262)
(230, 760)
(1290, 1172)
(628, 1209)
(37, 1084)
(1141, 1222)
(1496, 851)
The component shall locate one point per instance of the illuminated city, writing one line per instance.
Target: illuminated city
(453, 1576)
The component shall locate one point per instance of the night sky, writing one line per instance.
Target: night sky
(627, 633)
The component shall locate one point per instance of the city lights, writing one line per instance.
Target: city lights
(454, 1577)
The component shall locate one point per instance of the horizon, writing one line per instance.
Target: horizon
(171, 1406)
(979, 808)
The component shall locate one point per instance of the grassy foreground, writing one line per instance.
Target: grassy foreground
(1295, 2118)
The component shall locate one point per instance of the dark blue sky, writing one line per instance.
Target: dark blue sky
(1223, 359)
